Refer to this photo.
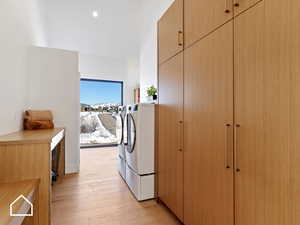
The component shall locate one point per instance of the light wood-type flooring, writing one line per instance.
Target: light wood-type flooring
(98, 196)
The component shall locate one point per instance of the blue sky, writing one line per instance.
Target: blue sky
(92, 92)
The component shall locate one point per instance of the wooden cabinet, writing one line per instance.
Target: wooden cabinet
(251, 149)
(208, 130)
(267, 106)
(292, 67)
(203, 16)
(170, 32)
(242, 5)
(241, 114)
(170, 145)
(29, 156)
(13, 194)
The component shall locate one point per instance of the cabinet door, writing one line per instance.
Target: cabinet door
(208, 130)
(203, 16)
(170, 32)
(242, 5)
(249, 104)
(267, 98)
(170, 135)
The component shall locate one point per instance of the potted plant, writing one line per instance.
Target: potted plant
(152, 94)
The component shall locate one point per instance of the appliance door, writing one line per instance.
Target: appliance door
(131, 134)
(131, 148)
(120, 129)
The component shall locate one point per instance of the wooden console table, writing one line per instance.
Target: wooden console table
(27, 155)
(9, 193)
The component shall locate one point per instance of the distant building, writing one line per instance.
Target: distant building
(86, 108)
(109, 108)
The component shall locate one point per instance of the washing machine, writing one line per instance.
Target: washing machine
(140, 153)
(121, 133)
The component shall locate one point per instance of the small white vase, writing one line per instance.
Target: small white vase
(149, 99)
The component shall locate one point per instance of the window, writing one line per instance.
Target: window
(99, 100)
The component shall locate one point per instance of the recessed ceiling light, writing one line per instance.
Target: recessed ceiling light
(95, 14)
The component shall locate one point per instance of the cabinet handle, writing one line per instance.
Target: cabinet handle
(227, 8)
(237, 126)
(180, 136)
(180, 38)
(227, 126)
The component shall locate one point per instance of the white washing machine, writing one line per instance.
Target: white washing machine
(122, 137)
(139, 154)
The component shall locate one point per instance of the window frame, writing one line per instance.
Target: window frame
(122, 103)
(108, 81)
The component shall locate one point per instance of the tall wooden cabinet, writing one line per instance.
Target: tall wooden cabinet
(170, 139)
(251, 150)
(208, 130)
(267, 114)
(241, 116)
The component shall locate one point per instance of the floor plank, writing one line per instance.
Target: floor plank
(98, 196)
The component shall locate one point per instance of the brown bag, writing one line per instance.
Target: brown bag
(38, 115)
(35, 125)
(38, 119)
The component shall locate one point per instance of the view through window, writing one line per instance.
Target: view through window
(99, 100)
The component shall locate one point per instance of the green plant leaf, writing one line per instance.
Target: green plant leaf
(151, 91)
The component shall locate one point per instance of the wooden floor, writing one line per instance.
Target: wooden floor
(98, 196)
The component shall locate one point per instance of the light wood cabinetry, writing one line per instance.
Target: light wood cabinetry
(208, 130)
(241, 114)
(267, 97)
(242, 5)
(250, 107)
(170, 32)
(292, 65)
(203, 16)
(10, 196)
(26, 155)
(170, 117)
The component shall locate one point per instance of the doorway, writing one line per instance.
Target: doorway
(99, 100)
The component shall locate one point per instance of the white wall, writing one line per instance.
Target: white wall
(150, 13)
(132, 80)
(21, 25)
(108, 46)
(54, 84)
(107, 68)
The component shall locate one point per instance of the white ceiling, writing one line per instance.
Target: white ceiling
(70, 25)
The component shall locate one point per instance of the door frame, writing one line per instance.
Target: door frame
(122, 103)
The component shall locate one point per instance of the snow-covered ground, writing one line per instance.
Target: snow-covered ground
(93, 131)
